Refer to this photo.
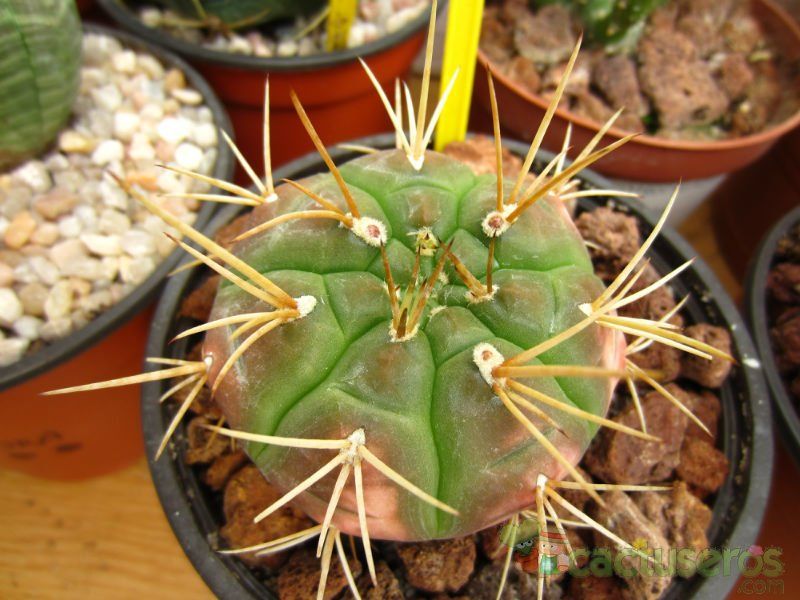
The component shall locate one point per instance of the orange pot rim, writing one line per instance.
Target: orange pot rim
(105, 323)
(752, 140)
(125, 18)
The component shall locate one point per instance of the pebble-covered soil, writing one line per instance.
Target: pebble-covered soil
(375, 19)
(701, 70)
(470, 567)
(72, 243)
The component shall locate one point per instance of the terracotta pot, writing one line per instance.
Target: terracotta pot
(195, 512)
(92, 433)
(646, 158)
(333, 87)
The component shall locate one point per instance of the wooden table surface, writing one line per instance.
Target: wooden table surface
(108, 537)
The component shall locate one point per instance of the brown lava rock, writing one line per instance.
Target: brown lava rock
(786, 339)
(614, 236)
(708, 373)
(197, 305)
(203, 446)
(704, 405)
(486, 582)
(439, 565)
(593, 587)
(735, 75)
(223, 467)
(617, 457)
(783, 283)
(677, 81)
(547, 36)
(388, 587)
(246, 495)
(623, 517)
(702, 466)
(299, 578)
(615, 76)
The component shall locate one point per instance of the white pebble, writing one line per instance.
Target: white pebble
(107, 97)
(113, 222)
(34, 174)
(141, 148)
(287, 48)
(6, 275)
(174, 130)
(151, 66)
(205, 135)
(126, 123)
(135, 270)
(70, 227)
(189, 156)
(67, 253)
(10, 307)
(55, 329)
(59, 300)
(124, 62)
(28, 327)
(11, 350)
(46, 271)
(102, 245)
(187, 96)
(108, 151)
(137, 243)
(113, 195)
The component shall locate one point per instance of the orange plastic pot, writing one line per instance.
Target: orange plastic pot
(333, 87)
(84, 435)
(646, 158)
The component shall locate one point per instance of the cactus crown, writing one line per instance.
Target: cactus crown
(39, 74)
(438, 339)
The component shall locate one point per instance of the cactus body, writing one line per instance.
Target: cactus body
(40, 54)
(422, 403)
(234, 13)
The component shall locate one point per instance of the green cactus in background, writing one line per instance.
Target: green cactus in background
(40, 55)
(234, 14)
(614, 23)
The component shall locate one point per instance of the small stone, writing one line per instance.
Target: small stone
(141, 149)
(66, 253)
(150, 17)
(174, 130)
(72, 141)
(6, 275)
(56, 162)
(28, 327)
(10, 307)
(189, 156)
(152, 112)
(32, 296)
(113, 195)
(124, 62)
(126, 123)
(11, 350)
(187, 96)
(107, 97)
(287, 48)
(174, 80)
(55, 203)
(46, 234)
(34, 174)
(87, 216)
(80, 287)
(19, 230)
(205, 135)
(150, 66)
(239, 45)
(70, 227)
(102, 245)
(56, 329)
(108, 151)
(46, 271)
(135, 270)
(113, 222)
(59, 301)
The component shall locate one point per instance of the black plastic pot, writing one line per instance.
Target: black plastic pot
(759, 321)
(746, 432)
(109, 336)
(333, 87)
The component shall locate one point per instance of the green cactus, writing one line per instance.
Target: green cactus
(40, 45)
(233, 14)
(421, 401)
(611, 23)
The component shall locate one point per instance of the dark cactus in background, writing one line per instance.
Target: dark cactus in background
(40, 54)
(240, 13)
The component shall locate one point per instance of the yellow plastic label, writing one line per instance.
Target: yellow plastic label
(341, 15)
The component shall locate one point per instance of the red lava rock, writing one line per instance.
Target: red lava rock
(388, 587)
(708, 373)
(705, 406)
(547, 36)
(299, 578)
(203, 446)
(614, 237)
(197, 305)
(592, 587)
(223, 467)
(615, 76)
(246, 495)
(678, 83)
(617, 457)
(439, 565)
(622, 517)
(783, 283)
(702, 466)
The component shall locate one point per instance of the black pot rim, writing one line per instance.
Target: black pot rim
(228, 578)
(106, 322)
(758, 319)
(128, 19)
